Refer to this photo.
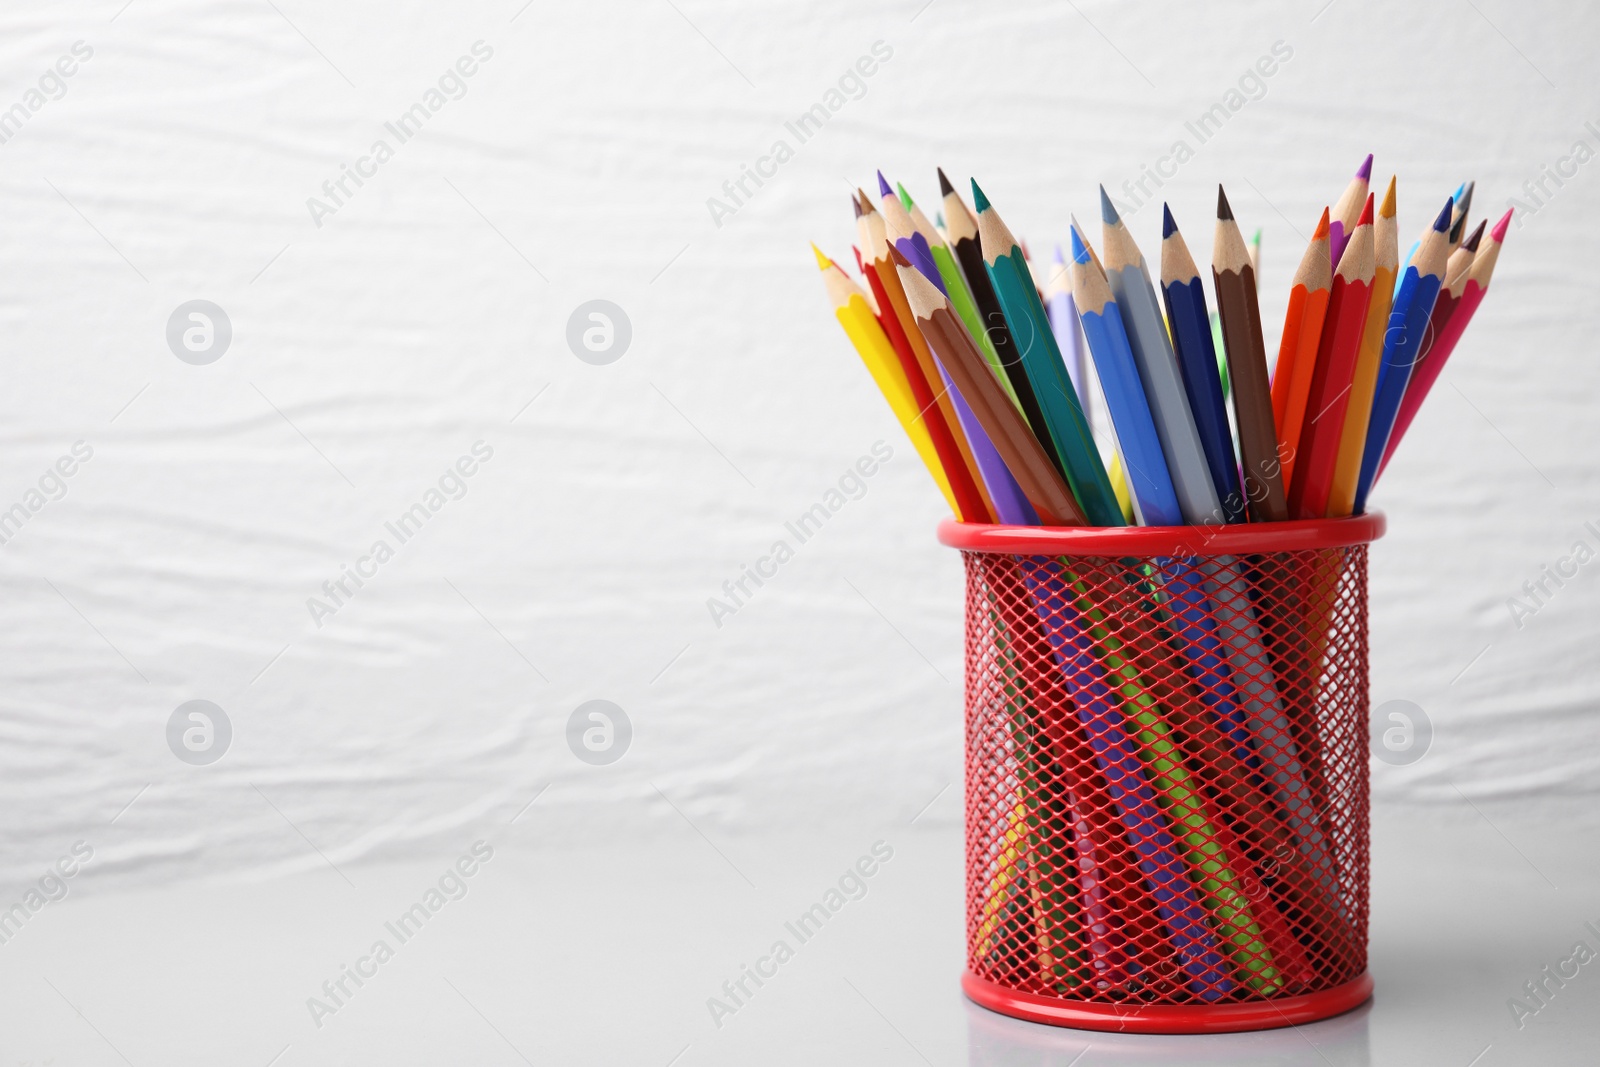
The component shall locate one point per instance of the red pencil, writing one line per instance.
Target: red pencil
(1474, 288)
(945, 444)
(1342, 329)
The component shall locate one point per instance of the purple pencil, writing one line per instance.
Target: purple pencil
(1342, 219)
(1064, 324)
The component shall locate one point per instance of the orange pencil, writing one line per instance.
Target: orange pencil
(1342, 331)
(1297, 352)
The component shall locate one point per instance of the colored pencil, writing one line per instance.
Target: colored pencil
(1462, 198)
(1460, 260)
(1364, 380)
(1444, 309)
(962, 236)
(1155, 502)
(897, 221)
(1458, 217)
(1216, 328)
(1135, 294)
(1235, 283)
(1342, 223)
(1342, 331)
(1001, 420)
(1064, 325)
(1007, 502)
(1407, 331)
(927, 389)
(1107, 860)
(1185, 299)
(955, 287)
(1029, 328)
(1474, 285)
(1075, 629)
(866, 334)
(1297, 351)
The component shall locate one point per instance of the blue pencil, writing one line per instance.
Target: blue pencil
(1154, 500)
(1185, 298)
(1402, 345)
(1456, 198)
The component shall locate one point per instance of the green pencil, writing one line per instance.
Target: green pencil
(956, 287)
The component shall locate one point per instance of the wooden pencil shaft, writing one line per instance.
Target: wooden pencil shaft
(1001, 420)
(1245, 350)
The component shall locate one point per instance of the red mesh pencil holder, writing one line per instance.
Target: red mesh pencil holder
(1166, 773)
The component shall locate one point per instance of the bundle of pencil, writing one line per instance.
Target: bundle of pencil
(1163, 717)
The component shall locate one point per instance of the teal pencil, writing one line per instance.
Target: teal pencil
(1030, 333)
(1136, 299)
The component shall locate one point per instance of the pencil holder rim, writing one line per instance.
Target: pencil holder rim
(1233, 540)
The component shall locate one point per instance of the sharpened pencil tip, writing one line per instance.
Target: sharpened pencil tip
(1224, 210)
(883, 185)
(823, 262)
(1386, 209)
(1459, 190)
(979, 201)
(1256, 237)
(905, 197)
(1364, 172)
(1366, 213)
(1058, 258)
(938, 219)
(1168, 226)
(1463, 205)
(899, 259)
(945, 188)
(1321, 232)
(1442, 223)
(855, 206)
(1471, 243)
(1499, 231)
(1108, 211)
(1080, 254)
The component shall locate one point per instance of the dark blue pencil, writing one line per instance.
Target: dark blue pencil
(1190, 323)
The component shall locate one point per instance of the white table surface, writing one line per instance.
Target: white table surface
(607, 955)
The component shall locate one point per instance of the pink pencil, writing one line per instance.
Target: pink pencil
(1428, 370)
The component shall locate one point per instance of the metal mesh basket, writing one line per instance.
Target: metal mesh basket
(1166, 773)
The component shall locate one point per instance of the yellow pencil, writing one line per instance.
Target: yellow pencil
(851, 308)
(1353, 438)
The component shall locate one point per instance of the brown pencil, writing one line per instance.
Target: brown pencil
(1235, 282)
(961, 359)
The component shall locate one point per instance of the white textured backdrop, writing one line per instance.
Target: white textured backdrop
(375, 344)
